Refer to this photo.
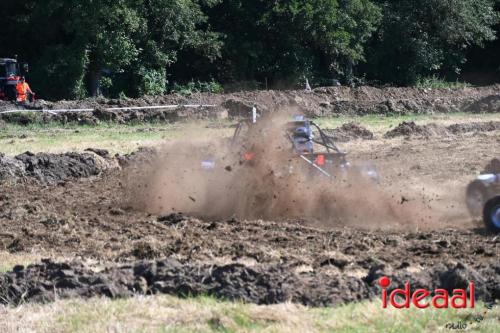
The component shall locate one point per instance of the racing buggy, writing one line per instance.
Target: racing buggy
(277, 167)
(297, 146)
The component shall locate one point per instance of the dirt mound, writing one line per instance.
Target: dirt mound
(328, 101)
(474, 127)
(350, 131)
(5, 105)
(485, 104)
(261, 284)
(53, 168)
(11, 168)
(122, 117)
(409, 129)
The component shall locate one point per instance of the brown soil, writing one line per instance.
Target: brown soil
(330, 282)
(327, 101)
(474, 127)
(310, 259)
(412, 129)
(350, 131)
(52, 168)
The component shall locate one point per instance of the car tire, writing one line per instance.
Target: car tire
(491, 215)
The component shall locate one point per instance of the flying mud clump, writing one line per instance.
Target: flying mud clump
(259, 175)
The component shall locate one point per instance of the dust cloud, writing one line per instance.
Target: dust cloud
(212, 179)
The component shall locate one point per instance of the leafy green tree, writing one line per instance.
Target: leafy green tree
(429, 36)
(72, 43)
(286, 40)
(173, 28)
(335, 31)
(152, 82)
(114, 26)
(137, 47)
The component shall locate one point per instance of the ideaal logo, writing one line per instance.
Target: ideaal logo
(440, 300)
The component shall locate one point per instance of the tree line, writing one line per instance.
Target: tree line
(79, 48)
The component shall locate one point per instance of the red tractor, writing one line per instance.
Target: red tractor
(10, 75)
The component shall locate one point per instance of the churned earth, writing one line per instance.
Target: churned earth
(321, 102)
(72, 209)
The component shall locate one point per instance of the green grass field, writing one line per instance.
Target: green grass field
(380, 124)
(9, 260)
(118, 138)
(204, 314)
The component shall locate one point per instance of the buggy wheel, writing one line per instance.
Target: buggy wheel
(491, 215)
(476, 196)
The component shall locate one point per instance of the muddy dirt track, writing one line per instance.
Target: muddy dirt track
(77, 211)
